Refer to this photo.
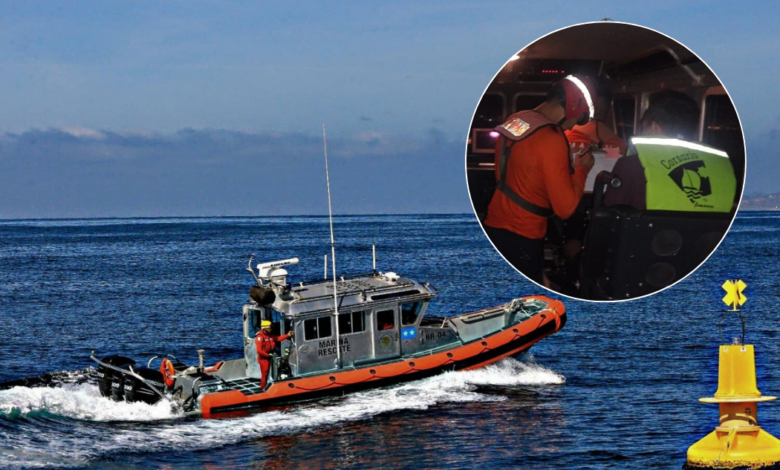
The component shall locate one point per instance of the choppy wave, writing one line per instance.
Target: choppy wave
(73, 424)
(81, 402)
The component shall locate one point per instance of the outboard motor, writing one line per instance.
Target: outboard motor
(136, 390)
(110, 382)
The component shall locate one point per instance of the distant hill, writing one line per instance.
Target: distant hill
(769, 202)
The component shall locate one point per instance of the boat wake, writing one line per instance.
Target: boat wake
(72, 425)
(79, 402)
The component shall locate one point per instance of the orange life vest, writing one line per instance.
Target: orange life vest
(264, 343)
(517, 127)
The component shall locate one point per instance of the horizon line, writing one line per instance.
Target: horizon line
(161, 217)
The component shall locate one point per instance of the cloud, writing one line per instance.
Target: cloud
(68, 172)
(83, 132)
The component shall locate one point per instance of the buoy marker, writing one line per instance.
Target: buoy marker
(738, 441)
(734, 297)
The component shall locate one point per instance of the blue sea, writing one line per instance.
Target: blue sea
(616, 388)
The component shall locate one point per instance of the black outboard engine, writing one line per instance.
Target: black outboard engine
(136, 390)
(111, 383)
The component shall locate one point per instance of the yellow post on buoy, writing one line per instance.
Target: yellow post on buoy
(738, 440)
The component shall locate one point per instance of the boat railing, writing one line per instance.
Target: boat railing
(372, 290)
(346, 277)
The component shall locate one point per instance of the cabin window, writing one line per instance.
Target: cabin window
(276, 323)
(385, 320)
(490, 112)
(721, 125)
(526, 102)
(353, 322)
(257, 317)
(276, 319)
(625, 116)
(315, 328)
(260, 314)
(409, 312)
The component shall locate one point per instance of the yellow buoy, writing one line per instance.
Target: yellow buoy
(738, 441)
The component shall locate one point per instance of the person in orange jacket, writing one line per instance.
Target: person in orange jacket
(265, 343)
(536, 178)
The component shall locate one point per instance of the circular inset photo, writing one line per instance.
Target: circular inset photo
(605, 161)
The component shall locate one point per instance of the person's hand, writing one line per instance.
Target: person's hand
(292, 334)
(584, 160)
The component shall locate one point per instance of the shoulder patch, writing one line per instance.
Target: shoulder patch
(516, 126)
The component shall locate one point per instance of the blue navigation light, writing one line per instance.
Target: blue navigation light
(409, 333)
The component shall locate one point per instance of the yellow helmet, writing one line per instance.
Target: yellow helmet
(265, 324)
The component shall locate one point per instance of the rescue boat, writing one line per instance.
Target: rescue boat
(359, 332)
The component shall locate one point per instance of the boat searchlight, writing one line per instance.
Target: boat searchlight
(274, 272)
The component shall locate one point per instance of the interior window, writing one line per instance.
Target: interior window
(409, 312)
(625, 116)
(525, 102)
(722, 131)
(490, 112)
(385, 320)
(721, 125)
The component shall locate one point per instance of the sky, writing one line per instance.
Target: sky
(179, 108)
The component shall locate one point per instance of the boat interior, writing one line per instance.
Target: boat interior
(611, 253)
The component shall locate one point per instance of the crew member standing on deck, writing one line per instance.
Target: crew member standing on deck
(265, 343)
(536, 177)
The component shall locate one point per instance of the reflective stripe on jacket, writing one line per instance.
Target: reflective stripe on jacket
(685, 176)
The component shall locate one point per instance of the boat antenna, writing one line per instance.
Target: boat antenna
(332, 250)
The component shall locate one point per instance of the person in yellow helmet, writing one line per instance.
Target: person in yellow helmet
(265, 343)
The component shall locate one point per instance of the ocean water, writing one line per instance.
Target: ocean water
(616, 388)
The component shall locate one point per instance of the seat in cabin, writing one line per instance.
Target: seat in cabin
(629, 253)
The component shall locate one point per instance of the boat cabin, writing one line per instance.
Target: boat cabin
(380, 318)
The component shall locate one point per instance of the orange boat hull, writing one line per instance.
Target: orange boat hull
(479, 353)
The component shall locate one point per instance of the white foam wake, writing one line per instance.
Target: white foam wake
(81, 402)
(84, 403)
(511, 372)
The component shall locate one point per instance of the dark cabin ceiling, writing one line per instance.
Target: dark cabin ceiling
(610, 42)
